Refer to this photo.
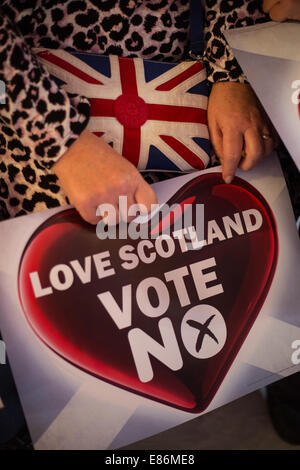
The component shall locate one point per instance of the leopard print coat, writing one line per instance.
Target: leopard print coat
(39, 121)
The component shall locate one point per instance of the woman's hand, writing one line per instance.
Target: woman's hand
(281, 10)
(240, 131)
(92, 173)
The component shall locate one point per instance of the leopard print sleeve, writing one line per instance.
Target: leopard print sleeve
(219, 16)
(45, 118)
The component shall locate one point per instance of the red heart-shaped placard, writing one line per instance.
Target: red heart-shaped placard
(165, 326)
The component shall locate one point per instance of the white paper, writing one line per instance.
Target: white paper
(67, 408)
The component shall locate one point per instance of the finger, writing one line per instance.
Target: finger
(269, 144)
(87, 210)
(89, 214)
(232, 151)
(280, 12)
(126, 206)
(254, 149)
(145, 196)
(216, 138)
(108, 212)
(113, 216)
(276, 138)
(268, 4)
(269, 130)
(294, 10)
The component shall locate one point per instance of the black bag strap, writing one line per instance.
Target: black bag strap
(196, 29)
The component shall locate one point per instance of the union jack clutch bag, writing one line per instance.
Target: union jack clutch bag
(152, 113)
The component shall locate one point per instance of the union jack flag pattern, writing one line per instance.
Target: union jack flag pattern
(152, 113)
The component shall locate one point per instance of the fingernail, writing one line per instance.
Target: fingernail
(228, 179)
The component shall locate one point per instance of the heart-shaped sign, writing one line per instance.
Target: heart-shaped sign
(162, 316)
